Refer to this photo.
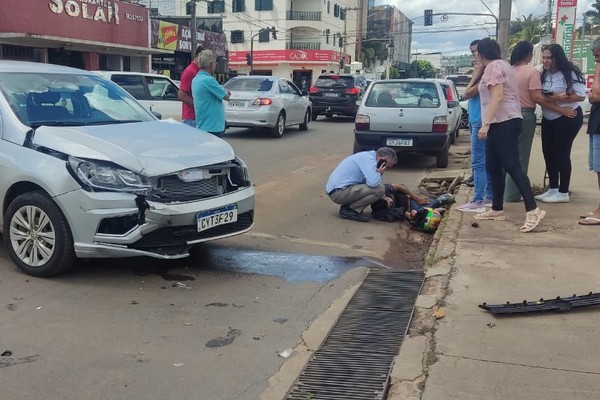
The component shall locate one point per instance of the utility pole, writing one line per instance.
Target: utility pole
(344, 40)
(504, 26)
(193, 28)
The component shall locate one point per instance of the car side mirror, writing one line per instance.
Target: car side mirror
(453, 104)
(157, 114)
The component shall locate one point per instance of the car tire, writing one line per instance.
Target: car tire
(357, 148)
(314, 116)
(304, 125)
(442, 158)
(464, 120)
(277, 130)
(453, 135)
(45, 250)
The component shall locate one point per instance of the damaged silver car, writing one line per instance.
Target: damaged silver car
(87, 172)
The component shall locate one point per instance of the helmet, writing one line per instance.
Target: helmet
(428, 219)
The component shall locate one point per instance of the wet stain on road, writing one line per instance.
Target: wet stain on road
(224, 341)
(292, 267)
(217, 305)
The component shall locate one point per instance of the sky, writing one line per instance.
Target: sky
(467, 28)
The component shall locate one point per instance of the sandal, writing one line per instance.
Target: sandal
(491, 215)
(532, 219)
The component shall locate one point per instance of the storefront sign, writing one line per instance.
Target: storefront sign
(565, 27)
(166, 35)
(111, 21)
(239, 57)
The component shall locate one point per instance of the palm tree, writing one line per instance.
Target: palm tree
(593, 18)
(531, 29)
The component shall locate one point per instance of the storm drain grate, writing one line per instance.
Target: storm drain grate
(355, 360)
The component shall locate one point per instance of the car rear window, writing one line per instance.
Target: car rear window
(332, 81)
(250, 85)
(403, 94)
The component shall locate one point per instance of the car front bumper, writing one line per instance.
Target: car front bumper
(166, 230)
(422, 142)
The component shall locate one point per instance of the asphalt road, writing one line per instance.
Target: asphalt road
(209, 327)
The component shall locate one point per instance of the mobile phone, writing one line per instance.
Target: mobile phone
(547, 93)
(381, 163)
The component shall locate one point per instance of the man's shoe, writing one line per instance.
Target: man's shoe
(348, 213)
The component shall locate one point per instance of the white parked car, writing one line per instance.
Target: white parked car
(408, 115)
(158, 93)
(88, 172)
(266, 102)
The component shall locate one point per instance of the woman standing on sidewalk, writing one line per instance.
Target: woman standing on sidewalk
(530, 93)
(564, 85)
(502, 120)
(482, 193)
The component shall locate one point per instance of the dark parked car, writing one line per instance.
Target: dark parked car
(337, 94)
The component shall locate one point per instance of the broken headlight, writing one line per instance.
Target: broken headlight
(98, 175)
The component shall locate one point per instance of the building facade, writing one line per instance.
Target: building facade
(296, 39)
(390, 24)
(88, 34)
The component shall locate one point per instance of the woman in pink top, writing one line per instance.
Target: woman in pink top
(501, 126)
(530, 93)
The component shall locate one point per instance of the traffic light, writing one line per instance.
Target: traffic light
(428, 17)
(274, 33)
(248, 58)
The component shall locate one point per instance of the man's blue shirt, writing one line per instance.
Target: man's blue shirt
(208, 103)
(475, 109)
(353, 170)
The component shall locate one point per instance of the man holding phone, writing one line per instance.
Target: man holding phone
(356, 182)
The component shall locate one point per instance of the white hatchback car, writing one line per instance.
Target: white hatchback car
(158, 93)
(266, 102)
(86, 171)
(408, 115)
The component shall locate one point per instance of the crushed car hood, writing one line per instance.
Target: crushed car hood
(148, 148)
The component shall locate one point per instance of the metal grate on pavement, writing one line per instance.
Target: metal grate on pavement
(355, 360)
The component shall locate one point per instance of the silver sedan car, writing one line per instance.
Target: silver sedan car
(86, 171)
(266, 102)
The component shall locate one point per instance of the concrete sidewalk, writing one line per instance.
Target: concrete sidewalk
(469, 354)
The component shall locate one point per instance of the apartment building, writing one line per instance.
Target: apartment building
(296, 39)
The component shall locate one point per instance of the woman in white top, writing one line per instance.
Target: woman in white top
(564, 84)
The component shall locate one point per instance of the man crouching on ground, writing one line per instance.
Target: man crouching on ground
(356, 182)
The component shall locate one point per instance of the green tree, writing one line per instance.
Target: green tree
(423, 69)
(394, 73)
(592, 19)
(527, 28)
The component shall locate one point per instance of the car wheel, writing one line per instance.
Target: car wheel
(277, 130)
(37, 235)
(357, 148)
(442, 158)
(304, 125)
(464, 119)
(314, 116)
(453, 135)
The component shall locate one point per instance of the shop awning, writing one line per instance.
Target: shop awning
(31, 40)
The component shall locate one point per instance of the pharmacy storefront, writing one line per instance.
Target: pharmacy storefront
(88, 34)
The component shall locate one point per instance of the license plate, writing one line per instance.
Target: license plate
(399, 142)
(219, 216)
(331, 94)
(237, 104)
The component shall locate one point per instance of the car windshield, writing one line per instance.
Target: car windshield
(55, 99)
(249, 85)
(404, 94)
(331, 81)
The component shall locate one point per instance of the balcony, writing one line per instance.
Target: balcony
(303, 16)
(302, 46)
